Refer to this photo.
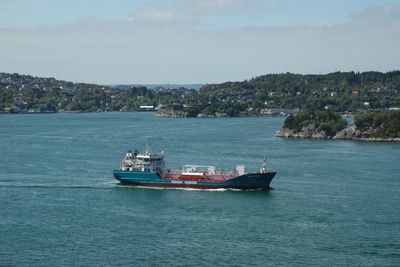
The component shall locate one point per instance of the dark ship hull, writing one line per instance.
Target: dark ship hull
(247, 181)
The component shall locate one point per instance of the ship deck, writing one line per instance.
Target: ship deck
(217, 177)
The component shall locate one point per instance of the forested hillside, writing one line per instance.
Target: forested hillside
(339, 91)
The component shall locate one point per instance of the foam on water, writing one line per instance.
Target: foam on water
(174, 188)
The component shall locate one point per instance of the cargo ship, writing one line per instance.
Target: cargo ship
(148, 169)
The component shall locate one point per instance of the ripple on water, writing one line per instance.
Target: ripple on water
(334, 203)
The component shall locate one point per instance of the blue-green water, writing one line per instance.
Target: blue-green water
(334, 203)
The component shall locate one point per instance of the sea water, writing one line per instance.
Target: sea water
(333, 203)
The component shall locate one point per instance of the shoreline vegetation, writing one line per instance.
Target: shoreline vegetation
(370, 126)
(267, 95)
(312, 103)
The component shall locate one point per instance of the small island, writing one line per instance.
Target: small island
(366, 126)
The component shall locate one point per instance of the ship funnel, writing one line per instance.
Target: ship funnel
(240, 169)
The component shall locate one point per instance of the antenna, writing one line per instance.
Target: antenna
(264, 165)
(147, 149)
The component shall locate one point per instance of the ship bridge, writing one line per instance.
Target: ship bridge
(146, 161)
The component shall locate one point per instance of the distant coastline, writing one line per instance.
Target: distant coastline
(270, 95)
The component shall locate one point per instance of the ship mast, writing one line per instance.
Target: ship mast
(264, 165)
(147, 150)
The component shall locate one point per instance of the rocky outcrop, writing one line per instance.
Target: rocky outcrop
(171, 113)
(349, 133)
(309, 131)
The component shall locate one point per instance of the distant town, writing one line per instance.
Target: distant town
(267, 95)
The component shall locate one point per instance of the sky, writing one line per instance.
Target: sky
(195, 41)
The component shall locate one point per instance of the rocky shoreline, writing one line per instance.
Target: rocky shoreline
(349, 133)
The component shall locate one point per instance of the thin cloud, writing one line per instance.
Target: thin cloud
(151, 14)
(192, 13)
(144, 18)
(139, 49)
(389, 13)
(221, 6)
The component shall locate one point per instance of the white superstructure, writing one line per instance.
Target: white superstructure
(147, 161)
